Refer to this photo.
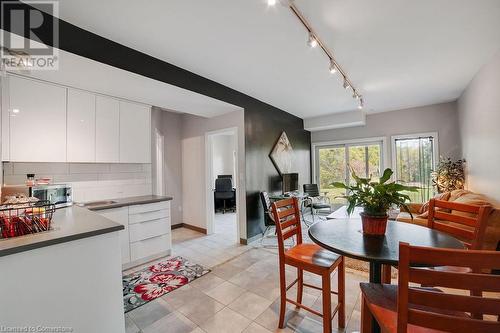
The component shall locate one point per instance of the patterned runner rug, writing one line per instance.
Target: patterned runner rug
(145, 285)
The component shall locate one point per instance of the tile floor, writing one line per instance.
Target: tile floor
(225, 225)
(239, 295)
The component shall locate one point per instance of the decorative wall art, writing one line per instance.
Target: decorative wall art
(283, 156)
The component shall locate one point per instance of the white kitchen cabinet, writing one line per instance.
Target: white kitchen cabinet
(120, 215)
(81, 126)
(107, 129)
(37, 121)
(150, 231)
(135, 133)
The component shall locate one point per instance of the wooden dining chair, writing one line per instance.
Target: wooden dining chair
(469, 229)
(405, 308)
(306, 257)
(469, 225)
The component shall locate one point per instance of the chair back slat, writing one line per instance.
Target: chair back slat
(287, 218)
(441, 310)
(463, 303)
(468, 281)
(469, 229)
(468, 221)
(447, 323)
(460, 233)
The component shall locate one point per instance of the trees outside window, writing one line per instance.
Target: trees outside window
(333, 161)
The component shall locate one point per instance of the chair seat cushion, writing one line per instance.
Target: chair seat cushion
(311, 255)
(382, 302)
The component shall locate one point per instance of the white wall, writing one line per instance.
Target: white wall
(479, 115)
(441, 118)
(223, 161)
(194, 166)
(169, 124)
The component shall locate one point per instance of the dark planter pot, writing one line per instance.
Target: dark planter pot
(374, 225)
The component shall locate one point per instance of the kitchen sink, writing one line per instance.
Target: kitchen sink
(97, 203)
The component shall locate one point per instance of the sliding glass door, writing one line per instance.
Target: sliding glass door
(332, 165)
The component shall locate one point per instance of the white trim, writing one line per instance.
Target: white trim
(315, 145)
(435, 146)
(209, 196)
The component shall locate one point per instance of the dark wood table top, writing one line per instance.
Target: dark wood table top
(345, 237)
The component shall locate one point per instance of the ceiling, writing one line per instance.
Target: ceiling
(79, 72)
(398, 53)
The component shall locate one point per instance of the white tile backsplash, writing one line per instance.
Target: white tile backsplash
(90, 181)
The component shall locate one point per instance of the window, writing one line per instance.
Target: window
(414, 157)
(332, 162)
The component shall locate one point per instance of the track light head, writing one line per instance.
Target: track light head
(333, 67)
(361, 103)
(346, 84)
(312, 41)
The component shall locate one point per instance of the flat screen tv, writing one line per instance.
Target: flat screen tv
(290, 182)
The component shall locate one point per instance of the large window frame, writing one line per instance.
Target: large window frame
(316, 146)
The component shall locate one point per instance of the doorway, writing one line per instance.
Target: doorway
(222, 183)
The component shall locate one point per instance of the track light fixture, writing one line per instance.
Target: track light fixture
(314, 41)
(333, 67)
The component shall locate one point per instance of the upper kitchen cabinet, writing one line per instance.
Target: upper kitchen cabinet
(135, 133)
(107, 130)
(37, 119)
(81, 126)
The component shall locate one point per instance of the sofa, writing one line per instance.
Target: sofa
(492, 233)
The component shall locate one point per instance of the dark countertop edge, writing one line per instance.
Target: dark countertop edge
(132, 201)
(59, 240)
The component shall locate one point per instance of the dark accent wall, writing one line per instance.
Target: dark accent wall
(263, 126)
(263, 122)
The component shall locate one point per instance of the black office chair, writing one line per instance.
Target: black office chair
(314, 200)
(224, 191)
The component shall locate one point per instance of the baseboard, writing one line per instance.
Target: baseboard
(176, 226)
(193, 227)
(250, 240)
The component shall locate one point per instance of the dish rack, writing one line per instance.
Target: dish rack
(25, 218)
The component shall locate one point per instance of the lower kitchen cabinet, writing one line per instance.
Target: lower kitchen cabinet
(147, 233)
(120, 215)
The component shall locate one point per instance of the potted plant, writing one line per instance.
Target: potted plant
(376, 197)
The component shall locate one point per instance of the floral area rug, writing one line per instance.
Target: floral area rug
(159, 279)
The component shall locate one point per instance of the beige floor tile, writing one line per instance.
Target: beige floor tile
(182, 296)
(226, 321)
(201, 309)
(227, 270)
(225, 293)
(250, 305)
(207, 282)
(148, 313)
(174, 322)
(256, 328)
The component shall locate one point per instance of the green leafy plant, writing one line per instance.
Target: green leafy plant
(376, 197)
(449, 175)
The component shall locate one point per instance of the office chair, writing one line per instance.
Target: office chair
(224, 191)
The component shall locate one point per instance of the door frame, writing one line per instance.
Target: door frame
(209, 195)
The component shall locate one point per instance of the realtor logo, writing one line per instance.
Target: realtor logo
(28, 28)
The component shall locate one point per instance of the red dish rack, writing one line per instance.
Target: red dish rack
(25, 219)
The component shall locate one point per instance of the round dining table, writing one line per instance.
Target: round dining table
(345, 237)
